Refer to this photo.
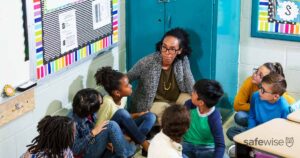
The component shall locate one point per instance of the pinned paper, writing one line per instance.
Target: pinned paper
(68, 31)
(50, 5)
(101, 13)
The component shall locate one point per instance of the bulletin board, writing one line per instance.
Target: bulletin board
(64, 32)
(276, 19)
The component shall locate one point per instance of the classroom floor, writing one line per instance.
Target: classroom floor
(228, 143)
(229, 122)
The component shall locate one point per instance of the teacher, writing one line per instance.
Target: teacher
(165, 76)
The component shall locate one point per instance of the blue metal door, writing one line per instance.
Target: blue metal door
(144, 27)
(146, 22)
(214, 40)
(197, 17)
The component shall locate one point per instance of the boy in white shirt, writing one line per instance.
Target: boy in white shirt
(175, 122)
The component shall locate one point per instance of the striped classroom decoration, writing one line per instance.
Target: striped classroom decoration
(267, 24)
(115, 21)
(43, 70)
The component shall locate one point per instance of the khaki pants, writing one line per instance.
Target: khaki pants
(159, 107)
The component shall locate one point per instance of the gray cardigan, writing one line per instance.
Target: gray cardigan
(147, 72)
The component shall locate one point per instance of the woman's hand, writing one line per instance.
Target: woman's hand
(110, 147)
(138, 114)
(142, 113)
(100, 127)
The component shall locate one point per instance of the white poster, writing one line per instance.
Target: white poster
(56, 4)
(68, 31)
(101, 13)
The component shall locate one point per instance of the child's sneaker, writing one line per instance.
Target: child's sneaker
(144, 153)
(231, 151)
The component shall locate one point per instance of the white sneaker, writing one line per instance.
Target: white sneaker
(252, 153)
(231, 151)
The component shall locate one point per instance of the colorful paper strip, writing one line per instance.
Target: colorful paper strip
(43, 70)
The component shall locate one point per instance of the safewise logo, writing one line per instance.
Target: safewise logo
(288, 141)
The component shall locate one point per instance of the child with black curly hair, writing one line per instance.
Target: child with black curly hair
(56, 136)
(91, 139)
(117, 85)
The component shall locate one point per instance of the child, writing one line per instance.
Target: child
(266, 104)
(90, 139)
(58, 129)
(251, 85)
(118, 87)
(205, 136)
(175, 122)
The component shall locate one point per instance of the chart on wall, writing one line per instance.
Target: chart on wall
(67, 31)
(277, 19)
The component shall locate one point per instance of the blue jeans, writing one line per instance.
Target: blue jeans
(113, 134)
(241, 118)
(197, 151)
(233, 131)
(137, 129)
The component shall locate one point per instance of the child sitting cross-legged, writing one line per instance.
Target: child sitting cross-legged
(250, 86)
(266, 104)
(117, 85)
(91, 140)
(205, 136)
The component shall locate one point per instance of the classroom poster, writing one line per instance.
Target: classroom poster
(101, 13)
(51, 5)
(287, 10)
(68, 31)
(58, 23)
(276, 19)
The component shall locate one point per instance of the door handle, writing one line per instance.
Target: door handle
(163, 1)
(169, 21)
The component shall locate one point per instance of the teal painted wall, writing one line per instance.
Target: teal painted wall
(227, 50)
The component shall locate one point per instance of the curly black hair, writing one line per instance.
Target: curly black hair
(209, 91)
(183, 38)
(109, 79)
(274, 68)
(86, 102)
(55, 135)
(175, 122)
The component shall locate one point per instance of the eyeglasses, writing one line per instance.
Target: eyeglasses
(263, 90)
(257, 73)
(255, 70)
(172, 51)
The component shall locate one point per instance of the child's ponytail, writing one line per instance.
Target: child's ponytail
(275, 68)
(279, 68)
(108, 78)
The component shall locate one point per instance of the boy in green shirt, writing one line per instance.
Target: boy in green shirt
(205, 136)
